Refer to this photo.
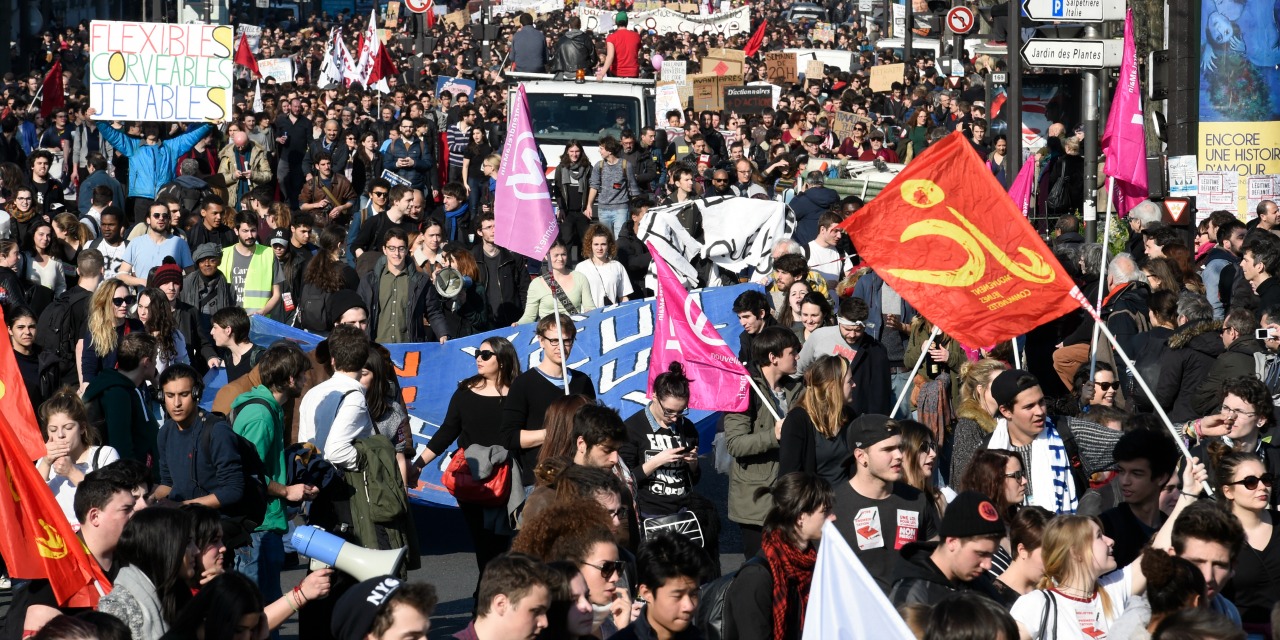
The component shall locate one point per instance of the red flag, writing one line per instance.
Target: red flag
(431, 16)
(757, 39)
(244, 57)
(15, 404)
(382, 67)
(52, 92)
(946, 236)
(996, 103)
(681, 333)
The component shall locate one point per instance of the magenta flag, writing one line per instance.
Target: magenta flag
(1020, 190)
(682, 333)
(525, 222)
(1124, 142)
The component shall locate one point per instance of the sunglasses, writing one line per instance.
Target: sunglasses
(1017, 475)
(1107, 386)
(485, 355)
(127, 300)
(1251, 482)
(607, 568)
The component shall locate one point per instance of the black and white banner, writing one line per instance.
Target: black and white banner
(738, 233)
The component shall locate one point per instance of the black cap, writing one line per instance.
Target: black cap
(971, 514)
(1006, 387)
(867, 430)
(354, 613)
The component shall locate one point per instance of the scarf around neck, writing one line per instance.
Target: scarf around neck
(1052, 467)
(792, 571)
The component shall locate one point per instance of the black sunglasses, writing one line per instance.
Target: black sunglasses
(1107, 386)
(1017, 475)
(129, 300)
(485, 354)
(1251, 482)
(607, 568)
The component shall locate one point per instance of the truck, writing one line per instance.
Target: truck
(564, 110)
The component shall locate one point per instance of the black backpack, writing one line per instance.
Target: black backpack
(56, 330)
(710, 616)
(239, 520)
(313, 308)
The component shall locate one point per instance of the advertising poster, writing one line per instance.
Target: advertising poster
(160, 72)
(1239, 91)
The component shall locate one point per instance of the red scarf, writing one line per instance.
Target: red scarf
(792, 571)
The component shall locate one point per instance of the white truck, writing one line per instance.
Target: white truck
(565, 110)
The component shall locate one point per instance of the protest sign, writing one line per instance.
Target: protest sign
(666, 99)
(884, 75)
(842, 124)
(457, 19)
(1220, 190)
(748, 100)
(160, 72)
(392, 18)
(279, 68)
(824, 32)
(738, 233)
(780, 67)
(394, 178)
(455, 86)
(736, 55)
(612, 347)
(1259, 188)
(253, 34)
(813, 70)
(706, 92)
(721, 66)
(675, 71)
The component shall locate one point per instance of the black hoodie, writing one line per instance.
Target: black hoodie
(919, 580)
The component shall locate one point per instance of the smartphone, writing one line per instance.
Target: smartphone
(1264, 334)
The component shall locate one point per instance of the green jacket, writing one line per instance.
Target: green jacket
(378, 499)
(749, 439)
(264, 427)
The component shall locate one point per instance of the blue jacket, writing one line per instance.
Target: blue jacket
(808, 207)
(422, 160)
(150, 166)
(84, 198)
(190, 471)
(868, 289)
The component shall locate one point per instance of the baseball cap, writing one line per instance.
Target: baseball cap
(1006, 387)
(279, 237)
(867, 430)
(971, 514)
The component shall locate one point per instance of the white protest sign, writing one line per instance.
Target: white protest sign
(279, 68)
(728, 23)
(252, 33)
(738, 233)
(160, 72)
(675, 71)
(667, 98)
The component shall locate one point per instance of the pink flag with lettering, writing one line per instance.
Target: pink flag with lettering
(1020, 190)
(682, 333)
(526, 223)
(1124, 142)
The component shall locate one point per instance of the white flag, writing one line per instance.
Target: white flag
(738, 233)
(844, 602)
(336, 62)
(257, 97)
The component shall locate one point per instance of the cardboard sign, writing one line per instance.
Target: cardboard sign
(842, 124)
(748, 100)
(457, 19)
(813, 70)
(727, 54)
(884, 75)
(721, 66)
(780, 67)
(824, 32)
(708, 90)
(393, 14)
(689, 8)
(160, 72)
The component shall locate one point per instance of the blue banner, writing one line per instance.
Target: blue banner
(612, 346)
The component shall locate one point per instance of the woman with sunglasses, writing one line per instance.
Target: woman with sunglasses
(1102, 391)
(1001, 476)
(1246, 411)
(1246, 487)
(473, 418)
(108, 322)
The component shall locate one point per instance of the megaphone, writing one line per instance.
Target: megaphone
(355, 561)
(449, 282)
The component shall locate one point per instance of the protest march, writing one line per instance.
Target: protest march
(735, 321)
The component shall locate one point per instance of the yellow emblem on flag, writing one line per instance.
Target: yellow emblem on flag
(52, 546)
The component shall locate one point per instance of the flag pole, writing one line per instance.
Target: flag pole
(1177, 437)
(924, 352)
(1017, 356)
(1102, 277)
(564, 359)
(763, 398)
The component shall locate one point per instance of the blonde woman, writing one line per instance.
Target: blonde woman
(1081, 589)
(976, 413)
(605, 276)
(71, 449)
(558, 281)
(810, 438)
(107, 323)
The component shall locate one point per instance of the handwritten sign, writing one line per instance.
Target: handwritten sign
(780, 67)
(160, 72)
(748, 100)
(279, 68)
(667, 99)
(842, 123)
(675, 71)
(813, 70)
(824, 32)
(884, 75)
(457, 19)
(708, 90)
(393, 15)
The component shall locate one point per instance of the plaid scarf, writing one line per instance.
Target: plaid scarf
(792, 571)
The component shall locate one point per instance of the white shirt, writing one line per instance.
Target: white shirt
(1076, 620)
(332, 419)
(65, 492)
(607, 280)
(826, 261)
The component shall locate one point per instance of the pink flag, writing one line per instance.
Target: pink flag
(526, 223)
(682, 333)
(1020, 190)
(1124, 142)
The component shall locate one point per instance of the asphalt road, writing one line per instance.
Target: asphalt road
(449, 564)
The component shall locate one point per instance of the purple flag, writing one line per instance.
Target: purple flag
(525, 221)
(1124, 142)
(1020, 190)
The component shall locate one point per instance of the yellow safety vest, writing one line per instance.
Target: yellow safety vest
(257, 282)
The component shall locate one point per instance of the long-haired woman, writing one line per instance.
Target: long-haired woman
(573, 182)
(1001, 476)
(15, 287)
(975, 413)
(157, 317)
(71, 237)
(157, 559)
(811, 438)
(606, 279)
(815, 313)
(328, 271)
(767, 600)
(571, 614)
(472, 419)
(789, 315)
(560, 441)
(1245, 487)
(22, 209)
(366, 163)
(382, 395)
(920, 461)
(108, 322)
(228, 608)
(42, 263)
(40, 372)
(469, 312)
(71, 448)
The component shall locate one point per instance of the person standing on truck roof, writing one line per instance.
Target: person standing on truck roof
(622, 59)
(528, 48)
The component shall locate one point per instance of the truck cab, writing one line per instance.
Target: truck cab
(561, 111)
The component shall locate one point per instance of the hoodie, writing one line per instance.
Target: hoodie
(808, 207)
(917, 580)
(260, 420)
(1235, 362)
(126, 425)
(1193, 349)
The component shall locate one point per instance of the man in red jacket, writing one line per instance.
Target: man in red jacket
(623, 57)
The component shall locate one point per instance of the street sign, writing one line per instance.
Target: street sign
(1074, 10)
(960, 20)
(866, 6)
(419, 6)
(1073, 54)
(1176, 207)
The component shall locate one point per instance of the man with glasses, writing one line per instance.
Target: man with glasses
(408, 156)
(251, 268)
(148, 251)
(744, 184)
(1241, 345)
(395, 293)
(878, 150)
(379, 189)
(533, 391)
(1247, 411)
(868, 360)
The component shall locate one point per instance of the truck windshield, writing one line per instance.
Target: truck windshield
(584, 118)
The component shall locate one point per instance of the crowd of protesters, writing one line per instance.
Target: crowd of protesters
(994, 502)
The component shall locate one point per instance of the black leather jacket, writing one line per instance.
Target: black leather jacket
(574, 51)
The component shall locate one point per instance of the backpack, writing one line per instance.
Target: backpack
(710, 616)
(56, 330)
(313, 308)
(92, 223)
(239, 520)
(1060, 192)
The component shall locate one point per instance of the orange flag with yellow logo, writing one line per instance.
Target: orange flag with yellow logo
(946, 237)
(15, 404)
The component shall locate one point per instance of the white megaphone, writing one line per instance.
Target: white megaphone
(356, 561)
